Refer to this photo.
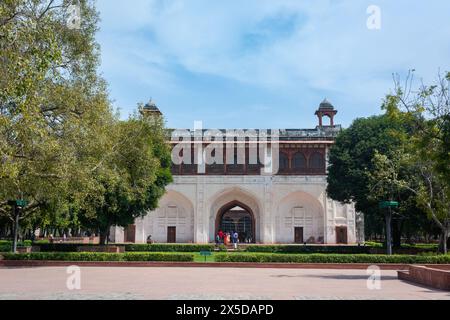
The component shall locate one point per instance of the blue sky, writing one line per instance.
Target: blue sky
(266, 64)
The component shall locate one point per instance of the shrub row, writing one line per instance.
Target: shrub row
(172, 247)
(429, 246)
(135, 247)
(6, 245)
(60, 247)
(308, 249)
(330, 258)
(25, 243)
(97, 256)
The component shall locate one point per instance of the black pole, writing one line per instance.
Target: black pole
(16, 227)
(389, 231)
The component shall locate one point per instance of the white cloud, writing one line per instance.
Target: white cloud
(330, 49)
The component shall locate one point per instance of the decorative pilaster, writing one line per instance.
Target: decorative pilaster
(268, 220)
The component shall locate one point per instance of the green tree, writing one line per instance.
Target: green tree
(428, 151)
(53, 107)
(133, 177)
(351, 162)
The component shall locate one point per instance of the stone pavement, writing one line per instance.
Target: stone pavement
(206, 283)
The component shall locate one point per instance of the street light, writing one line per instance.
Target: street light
(388, 216)
(16, 205)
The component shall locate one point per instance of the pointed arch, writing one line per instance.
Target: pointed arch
(299, 210)
(229, 198)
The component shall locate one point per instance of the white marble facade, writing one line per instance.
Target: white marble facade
(278, 203)
(282, 206)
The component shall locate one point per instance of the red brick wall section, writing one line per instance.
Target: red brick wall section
(438, 278)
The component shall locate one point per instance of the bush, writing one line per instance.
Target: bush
(169, 247)
(100, 256)
(61, 247)
(158, 256)
(43, 241)
(374, 244)
(331, 258)
(6, 245)
(134, 247)
(308, 249)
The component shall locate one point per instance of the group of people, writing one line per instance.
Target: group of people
(226, 238)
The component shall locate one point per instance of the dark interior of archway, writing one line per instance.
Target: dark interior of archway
(240, 220)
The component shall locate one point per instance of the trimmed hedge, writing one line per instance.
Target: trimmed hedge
(134, 247)
(61, 247)
(6, 245)
(308, 249)
(423, 246)
(330, 258)
(407, 249)
(171, 247)
(25, 243)
(100, 256)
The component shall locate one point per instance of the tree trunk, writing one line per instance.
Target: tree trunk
(388, 232)
(396, 233)
(16, 228)
(104, 235)
(443, 241)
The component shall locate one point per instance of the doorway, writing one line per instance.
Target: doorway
(298, 235)
(341, 235)
(171, 234)
(130, 233)
(236, 216)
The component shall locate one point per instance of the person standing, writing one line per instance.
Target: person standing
(235, 239)
(217, 239)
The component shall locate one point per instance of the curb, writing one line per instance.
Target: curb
(355, 266)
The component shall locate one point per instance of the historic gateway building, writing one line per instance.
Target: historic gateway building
(269, 185)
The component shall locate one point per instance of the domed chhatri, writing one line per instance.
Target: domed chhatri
(151, 108)
(326, 109)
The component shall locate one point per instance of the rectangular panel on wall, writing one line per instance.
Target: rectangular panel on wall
(181, 214)
(299, 215)
(341, 211)
(161, 213)
(288, 222)
(172, 211)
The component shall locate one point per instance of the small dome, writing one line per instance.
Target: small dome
(151, 106)
(326, 105)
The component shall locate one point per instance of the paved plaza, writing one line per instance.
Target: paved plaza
(206, 283)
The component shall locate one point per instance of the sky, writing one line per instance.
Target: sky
(266, 63)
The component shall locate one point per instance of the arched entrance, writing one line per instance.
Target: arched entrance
(236, 216)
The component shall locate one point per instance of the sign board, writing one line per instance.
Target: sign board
(388, 204)
(18, 203)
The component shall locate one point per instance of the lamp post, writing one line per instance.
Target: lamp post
(16, 205)
(388, 216)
